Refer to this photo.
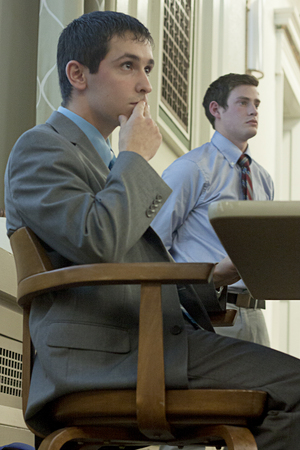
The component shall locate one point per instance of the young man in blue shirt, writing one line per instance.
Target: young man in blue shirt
(211, 173)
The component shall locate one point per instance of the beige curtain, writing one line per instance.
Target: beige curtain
(18, 59)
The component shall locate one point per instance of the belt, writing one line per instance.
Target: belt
(245, 301)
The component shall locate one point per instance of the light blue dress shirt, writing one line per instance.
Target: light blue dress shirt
(201, 177)
(101, 145)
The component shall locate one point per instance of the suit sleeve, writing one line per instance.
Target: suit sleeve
(79, 208)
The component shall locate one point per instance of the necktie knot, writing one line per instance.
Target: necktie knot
(244, 162)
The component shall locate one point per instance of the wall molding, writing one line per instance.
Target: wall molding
(288, 20)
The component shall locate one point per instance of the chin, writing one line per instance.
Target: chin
(127, 113)
(252, 133)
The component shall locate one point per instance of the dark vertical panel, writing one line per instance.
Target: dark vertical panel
(18, 59)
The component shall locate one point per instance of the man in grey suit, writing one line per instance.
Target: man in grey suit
(59, 183)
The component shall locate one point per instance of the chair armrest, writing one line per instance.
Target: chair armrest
(113, 273)
(223, 318)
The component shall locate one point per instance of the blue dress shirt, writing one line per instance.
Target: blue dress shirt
(101, 145)
(203, 176)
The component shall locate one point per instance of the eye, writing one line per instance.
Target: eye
(243, 102)
(127, 65)
(148, 70)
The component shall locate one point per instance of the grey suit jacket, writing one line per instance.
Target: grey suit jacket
(87, 338)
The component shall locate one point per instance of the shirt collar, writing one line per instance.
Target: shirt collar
(230, 151)
(101, 145)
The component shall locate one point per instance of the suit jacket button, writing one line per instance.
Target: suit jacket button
(149, 213)
(176, 329)
(159, 198)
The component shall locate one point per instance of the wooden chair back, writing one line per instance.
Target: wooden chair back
(30, 259)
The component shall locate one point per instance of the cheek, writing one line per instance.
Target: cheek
(119, 91)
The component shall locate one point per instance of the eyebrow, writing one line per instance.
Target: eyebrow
(135, 57)
(247, 98)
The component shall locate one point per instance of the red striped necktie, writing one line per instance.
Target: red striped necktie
(247, 188)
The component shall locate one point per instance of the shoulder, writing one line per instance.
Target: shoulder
(28, 142)
(54, 138)
(34, 133)
(41, 150)
(194, 165)
(198, 154)
(40, 134)
(57, 129)
(191, 160)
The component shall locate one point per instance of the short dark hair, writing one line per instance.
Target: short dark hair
(220, 89)
(87, 38)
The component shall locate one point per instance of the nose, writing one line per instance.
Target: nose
(143, 84)
(253, 110)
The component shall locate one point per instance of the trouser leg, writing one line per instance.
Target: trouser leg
(224, 363)
(250, 325)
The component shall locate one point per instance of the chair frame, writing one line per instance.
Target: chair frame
(149, 414)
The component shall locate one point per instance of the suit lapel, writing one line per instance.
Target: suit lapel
(64, 126)
(70, 131)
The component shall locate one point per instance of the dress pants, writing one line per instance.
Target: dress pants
(249, 325)
(225, 363)
(218, 362)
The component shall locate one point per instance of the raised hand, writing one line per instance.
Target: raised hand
(139, 133)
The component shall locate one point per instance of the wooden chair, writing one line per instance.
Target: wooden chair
(149, 414)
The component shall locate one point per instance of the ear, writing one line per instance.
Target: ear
(214, 109)
(76, 74)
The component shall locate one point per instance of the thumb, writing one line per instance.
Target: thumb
(122, 120)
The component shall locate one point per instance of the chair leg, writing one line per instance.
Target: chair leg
(58, 438)
(239, 438)
(236, 438)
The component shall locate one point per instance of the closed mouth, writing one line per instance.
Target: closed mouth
(140, 100)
